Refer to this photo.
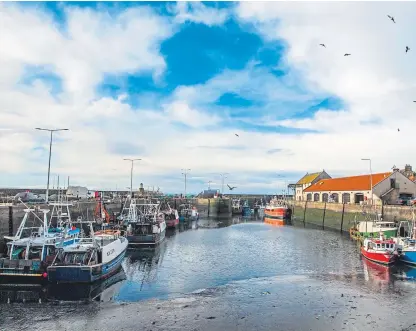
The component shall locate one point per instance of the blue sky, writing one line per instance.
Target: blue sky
(173, 83)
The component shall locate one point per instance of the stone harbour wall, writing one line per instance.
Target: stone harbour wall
(342, 216)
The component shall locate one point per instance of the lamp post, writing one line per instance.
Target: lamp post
(185, 173)
(209, 184)
(131, 175)
(223, 176)
(50, 152)
(371, 179)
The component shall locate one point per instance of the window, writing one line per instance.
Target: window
(325, 197)
(316, 197)
(309, 197)
(346, 198)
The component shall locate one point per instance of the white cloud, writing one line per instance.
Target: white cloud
(197, 12)
(376, 82)
(181, 112)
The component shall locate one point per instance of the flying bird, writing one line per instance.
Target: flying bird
(398, 130)
(323, 45)
(407, 49)
(392, 18)
(414, 101)
(231, 188)
(346, 54)
(236, 134)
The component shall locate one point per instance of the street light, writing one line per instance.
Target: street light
(185, 173)
(131, 175)
(223, 176)
(371, 179)
(50, 152)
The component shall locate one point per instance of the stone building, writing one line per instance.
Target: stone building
(307, 181)
(386, 187)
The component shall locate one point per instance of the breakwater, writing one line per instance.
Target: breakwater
(341, 216)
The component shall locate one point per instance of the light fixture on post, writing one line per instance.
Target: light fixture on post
(50, 153)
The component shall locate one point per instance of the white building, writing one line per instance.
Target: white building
(306, 181)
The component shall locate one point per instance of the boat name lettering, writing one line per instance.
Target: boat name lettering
(110, 252)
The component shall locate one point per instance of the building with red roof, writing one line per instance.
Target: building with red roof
(386, 186)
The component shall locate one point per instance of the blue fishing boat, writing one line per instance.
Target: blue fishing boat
(406, 241)
(89, 260)
(246, 210)
(32, 249)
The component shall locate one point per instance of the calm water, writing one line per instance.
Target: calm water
(210, 253)
(299, 278)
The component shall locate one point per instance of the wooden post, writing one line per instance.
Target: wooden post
(209, 205)
(342, 216)
(304, 211)
(323, 217)
(10, 220)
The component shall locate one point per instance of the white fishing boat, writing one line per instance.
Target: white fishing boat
(89, 260)
(236, 207)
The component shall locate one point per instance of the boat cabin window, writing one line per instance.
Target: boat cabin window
(35, 253)
(76, 258)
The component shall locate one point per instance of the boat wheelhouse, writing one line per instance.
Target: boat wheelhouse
(33, 248)
(380, 250)
(236, 207)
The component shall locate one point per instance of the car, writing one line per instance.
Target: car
(412, 201)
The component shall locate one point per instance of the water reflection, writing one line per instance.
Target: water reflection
(104, 291)
(214, 252)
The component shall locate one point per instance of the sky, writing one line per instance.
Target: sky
(173, 83)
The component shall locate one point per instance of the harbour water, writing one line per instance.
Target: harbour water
(232, 274)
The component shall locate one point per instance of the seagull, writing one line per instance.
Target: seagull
(346, 54)
(236, 134)
(323, 45)
(407, 49)
(414, 101)
(392, 18)
(398, 130)
(231, 188)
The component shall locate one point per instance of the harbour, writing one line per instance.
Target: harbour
(210, 274)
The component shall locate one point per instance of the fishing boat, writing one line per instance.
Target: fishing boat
(91, 259)
(33, 248)
(380, 250)
(171, 218)
(246, 210)
(407, 244)
(187, 212)
(277, 212)
(372, 226)
(236, 208)
(145, 223)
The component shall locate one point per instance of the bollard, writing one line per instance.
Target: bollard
(304, 211)
(209, 205)
(342, 216)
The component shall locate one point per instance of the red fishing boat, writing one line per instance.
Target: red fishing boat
(277, 212)
(380, 250)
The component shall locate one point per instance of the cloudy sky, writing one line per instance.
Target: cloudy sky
(172, 84)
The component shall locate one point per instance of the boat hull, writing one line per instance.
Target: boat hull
(408, 257)
(172, 223)
(85, 274)
(379, 257)
(149, 240)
